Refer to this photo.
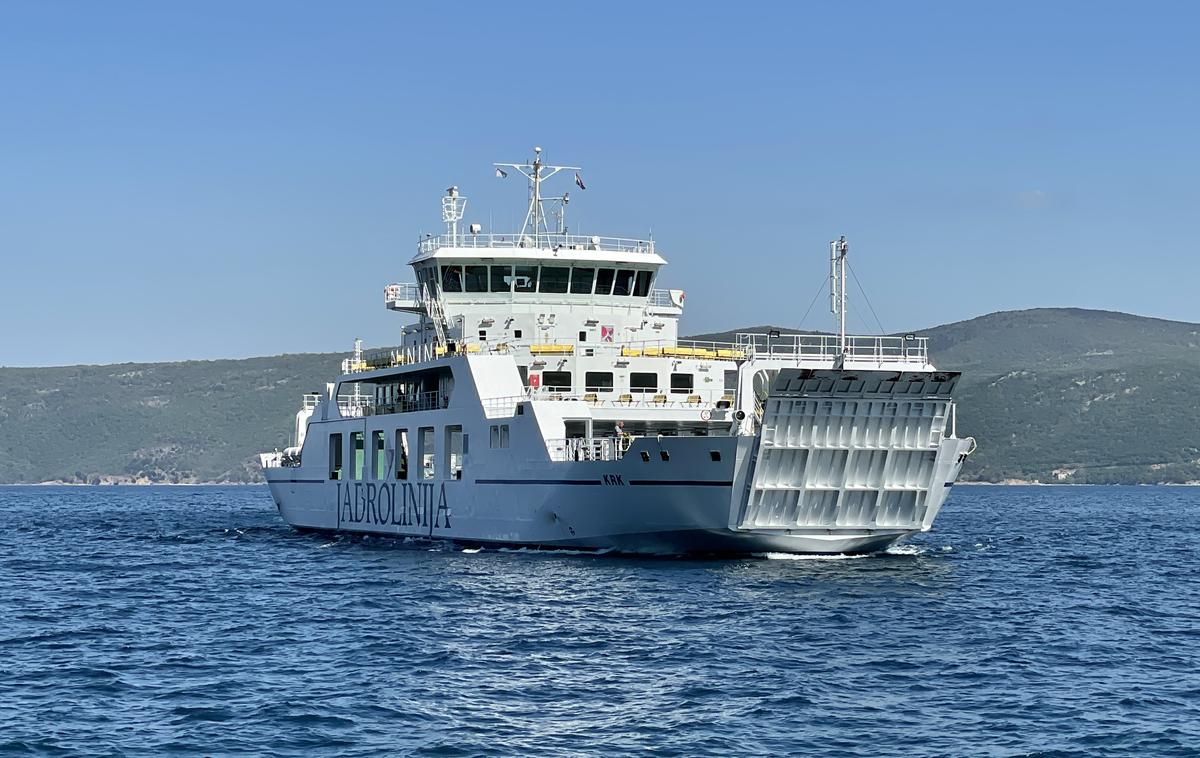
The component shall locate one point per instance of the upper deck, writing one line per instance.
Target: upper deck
(573, 246)
(907, 353)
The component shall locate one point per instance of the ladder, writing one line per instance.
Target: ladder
(433, 307)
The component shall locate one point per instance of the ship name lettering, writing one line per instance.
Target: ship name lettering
(394, 504)
(614, 480)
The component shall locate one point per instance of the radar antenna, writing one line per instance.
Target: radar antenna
(535, 218)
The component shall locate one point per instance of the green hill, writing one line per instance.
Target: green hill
(163, 422)
(1072, 395)
(1050, 394)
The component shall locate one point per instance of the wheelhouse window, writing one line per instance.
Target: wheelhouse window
(556, 381)
(581, 280)
(682, 384)
(604, 281)
(501, 278)
(643, 382)
(598, 381)
(554, 279)
(624, 283)
(476, 278)
(641, 285)
(451, 278)
(525, 279)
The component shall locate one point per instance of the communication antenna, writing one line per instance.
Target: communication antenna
(838, 249)
(453, 208)
(537, 172)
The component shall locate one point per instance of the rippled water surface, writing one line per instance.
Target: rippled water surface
(1032, 621)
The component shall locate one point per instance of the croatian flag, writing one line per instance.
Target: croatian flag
(579, 181)
(501, 173)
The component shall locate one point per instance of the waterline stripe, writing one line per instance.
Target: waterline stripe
(538, 481)
(678, 483)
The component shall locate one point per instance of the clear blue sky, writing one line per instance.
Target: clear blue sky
(221, 179)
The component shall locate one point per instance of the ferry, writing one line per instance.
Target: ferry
(541, 397)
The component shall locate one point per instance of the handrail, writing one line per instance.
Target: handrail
(817, 347)
(542, 241)
(877, 349)
(589, 448)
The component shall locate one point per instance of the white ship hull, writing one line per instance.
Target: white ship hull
(669, 495)
(543, 398)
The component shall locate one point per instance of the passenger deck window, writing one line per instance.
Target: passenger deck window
(357, 453)
(526, 279)
(554, 279)
(476, 278)
(451, 278)
(598, 381)
(379, 462)
(581, 280)
(456, 448)
(641, 286)
(556, 381)
(624, 283)
(643, 382)
(427, 460)
(682, 383)
(604, 281)
(501, 277)
(335, 456)
(401, 454)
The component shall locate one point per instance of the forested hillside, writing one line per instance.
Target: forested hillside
(161, 422)
(1050, 394)
(1071, 395)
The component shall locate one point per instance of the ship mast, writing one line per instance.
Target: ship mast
(537, 172)
(838, 249)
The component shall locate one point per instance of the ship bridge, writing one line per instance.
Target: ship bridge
(541, 285)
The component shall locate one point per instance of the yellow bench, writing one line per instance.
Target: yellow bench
(659, 400)
(625, 400)
(591, 397)
(551, 348)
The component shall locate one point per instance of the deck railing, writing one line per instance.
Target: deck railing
(828, 347)
(800, 347)
(589, 448)
(541, 241)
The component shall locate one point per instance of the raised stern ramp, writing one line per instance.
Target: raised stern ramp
(852, 451)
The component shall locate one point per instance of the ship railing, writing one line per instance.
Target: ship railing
(661, 299)
(867, 349)
(373, 360)
(403, 291)
(355, 407)
(420, 401)
(814, 347)
(644, 398)
(410, 292)
(432, 243)
(589, 448)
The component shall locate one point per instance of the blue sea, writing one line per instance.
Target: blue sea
(1033, 621)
